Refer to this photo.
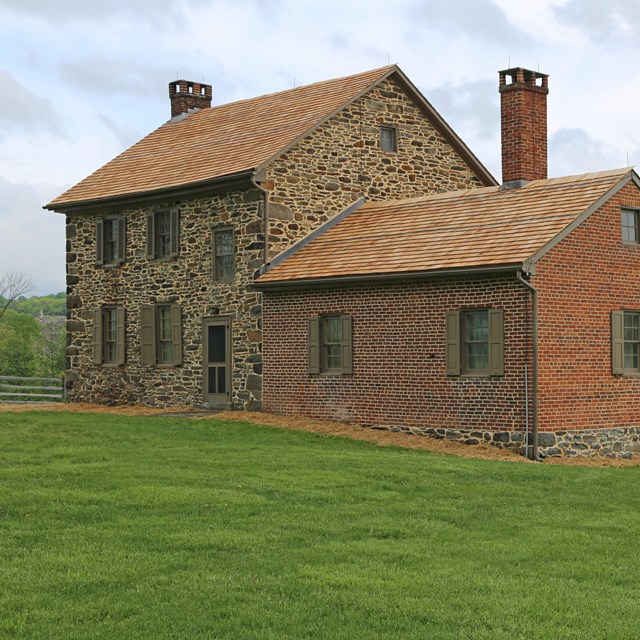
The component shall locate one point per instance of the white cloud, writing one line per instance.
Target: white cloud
(32, 241)
(22, 109)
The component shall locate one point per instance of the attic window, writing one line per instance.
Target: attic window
(630, 226)
(389, 139)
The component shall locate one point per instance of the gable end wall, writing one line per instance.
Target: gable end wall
(580, 281)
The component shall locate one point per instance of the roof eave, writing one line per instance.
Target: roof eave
(222, 183)
(388, 277)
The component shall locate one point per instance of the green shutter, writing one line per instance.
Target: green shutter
(99, 241)
(120, 358)
(148, 334)
(453, 343)
(122, 240)
(175, 232)
(617, 342)
(97, 336)
(314, 345)
(176, 333)
(151, 236)
(496, 342)
(347, 345)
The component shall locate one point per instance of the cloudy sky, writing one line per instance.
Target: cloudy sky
(81, 80)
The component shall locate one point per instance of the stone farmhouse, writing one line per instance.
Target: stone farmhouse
(504, 314)
(165, 241)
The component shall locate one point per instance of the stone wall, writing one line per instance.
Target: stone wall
(185, 280)
(585, 443)
(342, 161)
(317, 178)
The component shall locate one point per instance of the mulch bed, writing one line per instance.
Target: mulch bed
(340, 429)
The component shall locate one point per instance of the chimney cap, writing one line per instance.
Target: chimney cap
(523, 78)
(187, 96)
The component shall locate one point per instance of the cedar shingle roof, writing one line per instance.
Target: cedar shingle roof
(484, 227)
(235, 138)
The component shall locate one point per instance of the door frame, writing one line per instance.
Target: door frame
(215, 401)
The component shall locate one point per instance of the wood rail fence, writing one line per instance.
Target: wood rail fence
(30, 390)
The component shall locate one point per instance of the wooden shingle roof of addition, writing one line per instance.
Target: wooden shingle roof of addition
(218, 143)
(485, 228)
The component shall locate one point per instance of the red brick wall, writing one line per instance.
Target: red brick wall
(398, 355)
(581, 280)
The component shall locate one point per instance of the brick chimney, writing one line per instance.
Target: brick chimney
(186, 96)
(523, 105)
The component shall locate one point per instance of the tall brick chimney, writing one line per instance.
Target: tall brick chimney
(186, 96)
(523, 105)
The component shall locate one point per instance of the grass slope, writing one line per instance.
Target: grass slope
(120, 527)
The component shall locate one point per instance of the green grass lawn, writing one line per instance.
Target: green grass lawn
(116, 527)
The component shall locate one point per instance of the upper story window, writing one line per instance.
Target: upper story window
(110, 240)
(475, 342)
(109, 335)
(223, 254)
(389, 139)
(630, 226)
(163, 230)
(330, 345)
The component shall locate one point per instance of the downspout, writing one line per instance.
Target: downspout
(265, 219)
(534, 349)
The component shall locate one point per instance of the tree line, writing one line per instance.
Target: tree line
(32, 330)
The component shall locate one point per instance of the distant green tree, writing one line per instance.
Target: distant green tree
(52, 348)
(36, 306)
(13, 285)
(20, 344)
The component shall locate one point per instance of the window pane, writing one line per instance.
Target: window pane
(476, 340)
(631, 337)
(224, 249)
(217, 343)
(110, 334)
(110, 230)
(331, 331)
(388, 139)
(165, 335)
(478, 355)
(477, 325)
(163, 231)
(629, 226)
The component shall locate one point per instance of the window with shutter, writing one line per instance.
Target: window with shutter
(163, 230)
(161, 334)
(110, 240)
(625, 342)
(109, 335)
(330, 345)
(475, 342)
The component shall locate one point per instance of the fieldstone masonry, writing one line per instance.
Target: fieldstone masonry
(587, 443)
(317, 178)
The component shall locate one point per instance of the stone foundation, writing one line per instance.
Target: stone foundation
(587, 443)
